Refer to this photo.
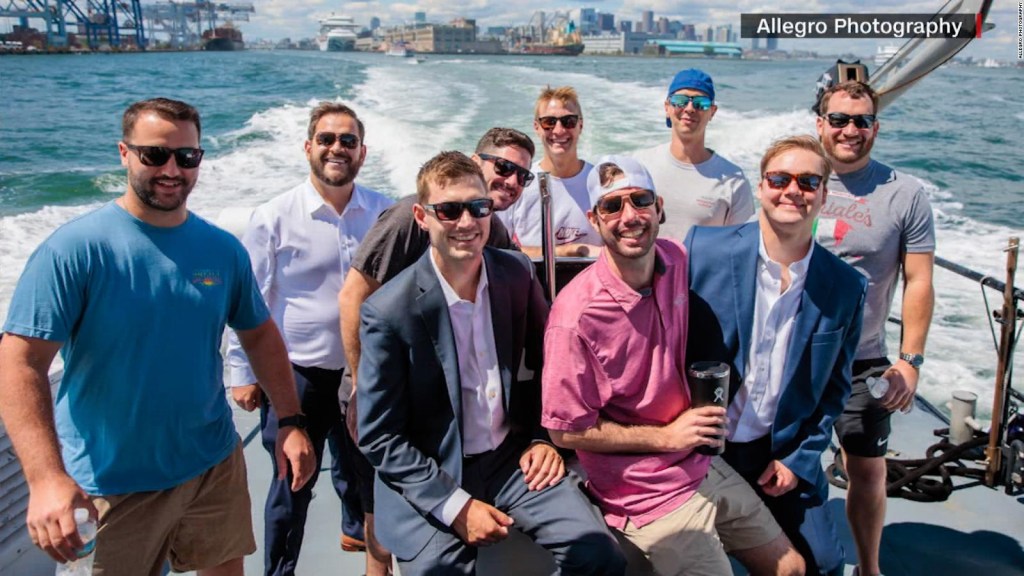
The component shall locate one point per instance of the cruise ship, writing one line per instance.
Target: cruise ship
(337, 34)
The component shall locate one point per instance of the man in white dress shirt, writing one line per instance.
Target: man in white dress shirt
(300, 244)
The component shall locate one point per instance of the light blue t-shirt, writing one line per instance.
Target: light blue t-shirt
(140, 310)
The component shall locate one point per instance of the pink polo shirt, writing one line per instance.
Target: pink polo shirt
(613, 353)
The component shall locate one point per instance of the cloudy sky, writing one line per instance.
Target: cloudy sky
(275, 19)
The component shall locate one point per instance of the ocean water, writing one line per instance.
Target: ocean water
(958, 131)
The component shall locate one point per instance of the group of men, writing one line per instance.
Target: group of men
(413, 338)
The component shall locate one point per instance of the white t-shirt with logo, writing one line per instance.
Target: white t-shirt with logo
(570, 203)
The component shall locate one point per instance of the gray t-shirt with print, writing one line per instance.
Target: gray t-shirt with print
(871, 218)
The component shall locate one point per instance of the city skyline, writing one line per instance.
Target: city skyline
(276, 19)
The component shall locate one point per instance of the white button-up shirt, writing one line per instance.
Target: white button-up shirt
(484, 423)
(752, 411)
(300, 249)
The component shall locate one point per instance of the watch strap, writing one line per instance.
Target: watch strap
(295, 420)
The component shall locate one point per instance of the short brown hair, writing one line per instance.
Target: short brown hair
(802, 142)
(564, 94)
(443, 169)
(853, 89)
(608, 173)
(173, 110)
(326, 108)
(503, 137)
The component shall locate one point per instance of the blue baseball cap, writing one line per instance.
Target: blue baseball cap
(692, 79)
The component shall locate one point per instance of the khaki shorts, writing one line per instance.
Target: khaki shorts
(683, 541)
(200, 523)
(743, 520)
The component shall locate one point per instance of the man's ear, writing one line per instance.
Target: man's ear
(660, 207)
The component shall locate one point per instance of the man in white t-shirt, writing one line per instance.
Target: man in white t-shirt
(699, 186)
(558, 122)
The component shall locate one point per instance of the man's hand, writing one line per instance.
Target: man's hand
(294, 450)
(777, 479)
(480, 524)
(51, 516)
(352, 417)
(542, 466)
(578, 250)
(704, 426)
(247, 398)
(902, 379)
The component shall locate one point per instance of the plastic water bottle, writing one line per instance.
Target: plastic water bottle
(878, 386)
(87, 532)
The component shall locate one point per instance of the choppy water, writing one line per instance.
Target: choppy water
(958, 130)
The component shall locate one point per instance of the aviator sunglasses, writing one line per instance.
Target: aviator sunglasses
(613, 204)
(159, 155)
(681, 100)
(840, 120)
(451, 211)
(505, 168)
(781, 180)
(569, 121)
(327, 139)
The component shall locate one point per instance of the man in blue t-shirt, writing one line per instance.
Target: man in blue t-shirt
(135, 296)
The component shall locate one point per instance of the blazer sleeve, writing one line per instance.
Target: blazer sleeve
(816, 431)
(384, 410)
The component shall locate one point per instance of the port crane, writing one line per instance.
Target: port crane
(183, 23)
(113, 23)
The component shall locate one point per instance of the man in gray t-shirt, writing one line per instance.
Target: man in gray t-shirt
(393, 244)
(699, 186)
(879, 221)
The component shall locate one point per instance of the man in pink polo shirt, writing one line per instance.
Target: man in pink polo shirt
(615, 391)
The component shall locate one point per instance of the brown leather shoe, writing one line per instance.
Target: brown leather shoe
(350, 544)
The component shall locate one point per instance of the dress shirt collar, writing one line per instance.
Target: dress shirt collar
(621, 292)
(797, 270)
(314, 204)
(450, 296)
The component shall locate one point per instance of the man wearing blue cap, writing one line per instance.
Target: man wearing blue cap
(699, 186)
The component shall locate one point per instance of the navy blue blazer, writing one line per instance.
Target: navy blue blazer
(409, 395)
(817, 376)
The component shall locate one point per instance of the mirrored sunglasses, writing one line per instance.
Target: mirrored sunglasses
(681, 100)
(781, 180)
(569, 121)
(506, 168)
(159, 155)
(450, 211)
(840, 120)
(610, 205)
(327, 139)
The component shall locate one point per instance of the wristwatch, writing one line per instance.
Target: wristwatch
(297, 420)
(915, 360)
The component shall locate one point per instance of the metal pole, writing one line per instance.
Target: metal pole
(1009, 324)
(547, 240)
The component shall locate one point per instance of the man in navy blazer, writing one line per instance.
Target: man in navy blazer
(451, 429)
(785, 314)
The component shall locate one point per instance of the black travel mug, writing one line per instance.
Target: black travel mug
(709, 386)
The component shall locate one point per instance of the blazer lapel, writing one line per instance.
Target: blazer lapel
(744, 277)
(817, 286)
(501, 323)
(433, 309)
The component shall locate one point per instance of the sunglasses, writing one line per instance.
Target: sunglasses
(681, 100)
(327, 139)
(505, 168)
(159, 155)
(451, 211)
(840, 120)
(781, 180)
(569, 121)
(613, 205)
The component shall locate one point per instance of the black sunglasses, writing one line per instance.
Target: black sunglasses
(159, 155)
(569, 121)
(805, 182)
(610, 205)
(450, 211)
(327, 139)
(840, 120)
(505, 168)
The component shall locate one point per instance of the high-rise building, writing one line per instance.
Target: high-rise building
(605, 22)
(662, 25)
(420, 17)
(689, 32)
(722, 33)
(755, 43)
(625, 25)
(772, 44)
(374, 23)
(647, 18)
(585, 19)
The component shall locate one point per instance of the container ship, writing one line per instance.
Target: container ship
(223, 38)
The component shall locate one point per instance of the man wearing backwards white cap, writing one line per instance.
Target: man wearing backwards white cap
(699, 185)
(619, 397)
